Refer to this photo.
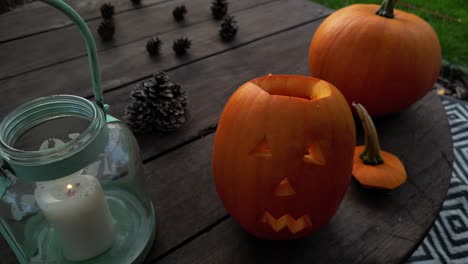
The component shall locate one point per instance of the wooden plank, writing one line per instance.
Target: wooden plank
(180, 182)
(130, 62)
(370, 226)
(42, 18)
(215, 80)
(210, 82)
(66, 43)
(181, 188)
(29, 6)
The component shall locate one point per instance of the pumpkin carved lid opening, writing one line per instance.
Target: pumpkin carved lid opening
(302, 88)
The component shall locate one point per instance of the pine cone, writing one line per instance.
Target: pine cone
(139, 116)
(160, 77)
(171, 116)
(107, 10)
(228, 29)
(219, 9)
(138, 93)
(165, 103)
(179, 13)
(106, 30)
(153, 46)
(181, 46)
(165, 88)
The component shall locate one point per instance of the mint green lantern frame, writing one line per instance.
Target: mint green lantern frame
(90, 47)
(45, 172)
(52, 171)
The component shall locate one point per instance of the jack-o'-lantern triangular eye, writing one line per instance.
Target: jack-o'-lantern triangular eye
(315, 155)
(262, 149)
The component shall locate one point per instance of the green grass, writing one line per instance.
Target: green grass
(449, 18)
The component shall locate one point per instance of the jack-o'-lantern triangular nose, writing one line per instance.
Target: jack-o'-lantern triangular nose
(284, 188)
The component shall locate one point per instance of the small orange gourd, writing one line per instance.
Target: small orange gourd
(373, 167)
(386, 60)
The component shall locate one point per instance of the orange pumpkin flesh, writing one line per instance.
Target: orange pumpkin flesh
(373, 167)
(282, 155)
(383, 63)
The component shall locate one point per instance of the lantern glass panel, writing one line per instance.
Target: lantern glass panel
(93, 210)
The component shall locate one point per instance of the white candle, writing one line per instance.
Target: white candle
(76, 207)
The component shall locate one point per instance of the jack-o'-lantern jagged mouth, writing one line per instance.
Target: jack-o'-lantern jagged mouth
(286, 221)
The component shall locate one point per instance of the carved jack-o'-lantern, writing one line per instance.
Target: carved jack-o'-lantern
(283, 154)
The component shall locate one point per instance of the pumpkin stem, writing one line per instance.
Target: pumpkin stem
(386, 9)
(371, 154)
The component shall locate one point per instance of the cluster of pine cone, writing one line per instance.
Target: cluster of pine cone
(180, 46)
(157, 105)
(219, 10)
(228, 28)
(107, 28)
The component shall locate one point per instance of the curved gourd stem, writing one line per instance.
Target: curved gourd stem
(371, 154)
(386, 8)
(90, 46)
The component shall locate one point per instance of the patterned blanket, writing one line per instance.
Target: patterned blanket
(447, 241)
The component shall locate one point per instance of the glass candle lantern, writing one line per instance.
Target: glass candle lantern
(71, 179)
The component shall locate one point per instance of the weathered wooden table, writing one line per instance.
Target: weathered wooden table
(42, 54)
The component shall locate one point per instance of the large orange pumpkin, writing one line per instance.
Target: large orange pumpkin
(283, 155)
(385, 63)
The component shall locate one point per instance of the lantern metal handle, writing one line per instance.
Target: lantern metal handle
(90, 47)
(92, 57)
(93, 64)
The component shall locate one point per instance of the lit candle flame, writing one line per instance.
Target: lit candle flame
(70, 191)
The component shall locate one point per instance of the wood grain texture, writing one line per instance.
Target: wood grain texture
(66, 43)
(210, 82)
(41, 17)
(181, 190)
(370, 226)
(179, 184)
(221, 75)
(131, 62)
(192, 226)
